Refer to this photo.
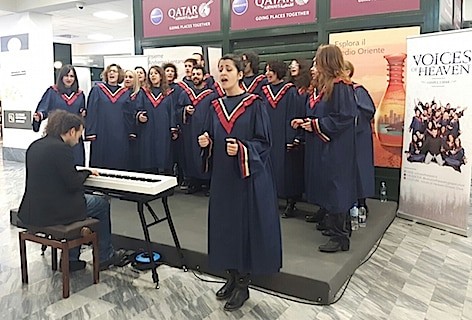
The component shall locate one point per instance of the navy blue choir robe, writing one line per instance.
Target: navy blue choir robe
(364, 143)
(417, 125)
(177, 145)
(188, 82)
(209, 80)
(314, 192)
(106, 126)
(243, 222)
(254, 84)
(73, 102)
(192, 126)
(130, 120)
(218, 89)
(455, 159)
(154, 136)
(281, 101)
(330, 152)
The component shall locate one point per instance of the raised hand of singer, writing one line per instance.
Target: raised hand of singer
(231, 147)
(204, 140)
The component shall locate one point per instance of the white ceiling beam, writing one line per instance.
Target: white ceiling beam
(43, 6)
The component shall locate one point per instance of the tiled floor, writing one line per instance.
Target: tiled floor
(417, 273)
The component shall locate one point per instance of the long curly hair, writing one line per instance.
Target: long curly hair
(331, 67)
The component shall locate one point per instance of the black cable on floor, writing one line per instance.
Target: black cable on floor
(303, 301)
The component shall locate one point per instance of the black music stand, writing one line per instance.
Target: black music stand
(142, 200)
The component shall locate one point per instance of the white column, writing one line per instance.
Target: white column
(26, 70)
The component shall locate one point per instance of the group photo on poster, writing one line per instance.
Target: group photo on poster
(435, 134)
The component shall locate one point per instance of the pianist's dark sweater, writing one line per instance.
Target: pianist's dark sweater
(54, 192)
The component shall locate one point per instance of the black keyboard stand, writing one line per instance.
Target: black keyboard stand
(142, 201)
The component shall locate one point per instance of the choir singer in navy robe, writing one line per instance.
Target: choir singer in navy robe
(331, 124)
(282, 103)
(243, 224)
(64, 95)
(107, 109)
(364, 143)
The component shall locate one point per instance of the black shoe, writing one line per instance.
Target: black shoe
(114, 260)
(193, 188)
(184, 185)
(322, 225)
(311, 218)
(238, 297)
(227, 289)
(289, 211)
(317, 217)
(74, 265)
(335, 244)
(327, 233)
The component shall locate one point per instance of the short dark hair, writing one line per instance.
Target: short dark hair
(142, 68)
(199, 68)
(237, 60)
(192, 60)
(253, 59)
(199, 54)
(278, 67)
(170, 65)
(65, 71)
(61, 121)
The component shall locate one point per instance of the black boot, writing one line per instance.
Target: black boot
(317, 217)
(240, 294)
(289, 211)
(335, 244)
(339, 240)
(227, 289)
(324, 223)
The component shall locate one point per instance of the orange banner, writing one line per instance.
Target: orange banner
(379, 59)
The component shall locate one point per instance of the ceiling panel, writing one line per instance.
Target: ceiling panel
(73, 25)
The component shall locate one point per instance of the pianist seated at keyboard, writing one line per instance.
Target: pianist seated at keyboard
(54, 192)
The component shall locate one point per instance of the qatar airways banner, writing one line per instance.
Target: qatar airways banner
(178, 17)
(437, 139)
(352, 8)
(252, 14)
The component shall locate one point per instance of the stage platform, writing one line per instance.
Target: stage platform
(306, 273)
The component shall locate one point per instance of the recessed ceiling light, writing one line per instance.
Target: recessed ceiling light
(110, 15)
(57, 64)
(100, 37)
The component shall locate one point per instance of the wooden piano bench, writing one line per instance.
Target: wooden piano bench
(62, 237)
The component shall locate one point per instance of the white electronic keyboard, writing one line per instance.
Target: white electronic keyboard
(141, 188)
(127, 181)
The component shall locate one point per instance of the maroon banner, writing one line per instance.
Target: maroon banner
(176, 17)
(251, 14)
(352, 8)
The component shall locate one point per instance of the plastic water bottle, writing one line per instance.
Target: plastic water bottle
(354, 218)
(383, 191)
(362, 217)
